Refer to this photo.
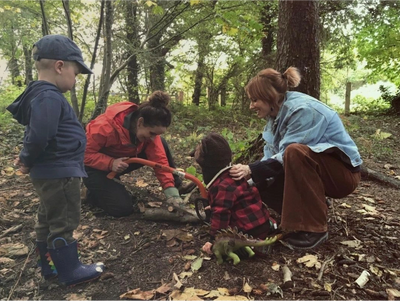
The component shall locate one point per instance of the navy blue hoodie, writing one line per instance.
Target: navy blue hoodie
(54, 140)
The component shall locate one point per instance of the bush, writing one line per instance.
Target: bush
(7, 96)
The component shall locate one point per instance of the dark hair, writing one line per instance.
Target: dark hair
(270, 85)
(154, 111)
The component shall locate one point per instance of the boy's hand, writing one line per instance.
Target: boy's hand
(119, 165)
(22, 168)
(207, 248)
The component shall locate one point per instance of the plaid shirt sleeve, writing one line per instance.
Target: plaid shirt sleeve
(222, 198)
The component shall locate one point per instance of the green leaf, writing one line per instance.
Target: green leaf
(196, 265)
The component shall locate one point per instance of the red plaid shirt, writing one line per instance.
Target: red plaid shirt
(235, 204)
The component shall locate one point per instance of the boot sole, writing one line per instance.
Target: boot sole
(318, 242)
(82, 282)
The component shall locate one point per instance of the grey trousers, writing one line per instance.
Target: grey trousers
(59, 210)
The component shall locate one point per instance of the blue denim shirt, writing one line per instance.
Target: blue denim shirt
(305, 120)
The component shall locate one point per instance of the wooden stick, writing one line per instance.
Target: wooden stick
(20, 274)
(321, 271)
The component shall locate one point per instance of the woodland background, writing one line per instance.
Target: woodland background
(203, 53)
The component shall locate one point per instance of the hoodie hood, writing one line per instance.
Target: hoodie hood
(21, 107)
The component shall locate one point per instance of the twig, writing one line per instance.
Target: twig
(20, 274)
(11, 230)
(321, 271)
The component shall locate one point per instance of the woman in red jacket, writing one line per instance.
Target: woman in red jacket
(127, 130)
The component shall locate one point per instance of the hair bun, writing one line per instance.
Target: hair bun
(159, 99)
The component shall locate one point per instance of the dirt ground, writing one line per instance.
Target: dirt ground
(161, 260)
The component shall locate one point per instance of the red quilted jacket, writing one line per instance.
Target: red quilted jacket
(107, 140)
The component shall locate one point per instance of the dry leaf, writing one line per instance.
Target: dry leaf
(154, 204)
(163, 289)
(310, 261)
(141, 183)
(13, 250)
(189, 293)
(247, 288)
(352, 243)
(137, 294)
(73, 296)
(276, 266)
(236, 298)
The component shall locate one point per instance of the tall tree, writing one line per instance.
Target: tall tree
(133, 43)
(299, 44)
(74, 99)
(106, 79)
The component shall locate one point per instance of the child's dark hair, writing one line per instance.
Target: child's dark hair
(155, 111)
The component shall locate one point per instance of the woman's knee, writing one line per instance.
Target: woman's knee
(295, 150)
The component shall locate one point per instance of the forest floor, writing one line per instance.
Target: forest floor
(161, 260)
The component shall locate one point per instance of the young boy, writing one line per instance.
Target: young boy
(53, 151)
(233, 203)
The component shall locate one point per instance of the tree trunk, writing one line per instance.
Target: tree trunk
(267, 42)
(223, 96)
(96, 44)
(74, 99)
(132, 29)
(45, 27)
(28, 65)
(198, 80)
(347, 99)
(106, 74)
(299, 44)
(13, 62)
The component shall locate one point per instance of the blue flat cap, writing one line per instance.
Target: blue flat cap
(59, 47)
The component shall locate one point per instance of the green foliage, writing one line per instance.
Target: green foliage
(7, 96)
(368, 105)
(373, 143)
(193, 171)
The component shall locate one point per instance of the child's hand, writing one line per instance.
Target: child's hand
(207, 248)
(22, 168)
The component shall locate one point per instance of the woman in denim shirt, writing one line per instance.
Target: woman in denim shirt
(308, 155)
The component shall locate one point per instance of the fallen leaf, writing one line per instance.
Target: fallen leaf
(8, 171)
(247, 288)
(7, 262)
(154, 204)
(189, 257)
(141, 183)
(73, 296)
(13, 250)
(328, 286)
(196, 265)
(310, 261)
(221, 291)
(189, 293)
(163, 289)
(344, 205)
(236, 298)
(137, 294)
(183, 275)
(351, 243)
(276, 266)
(369, 208)
(393, 292)
(126, 237)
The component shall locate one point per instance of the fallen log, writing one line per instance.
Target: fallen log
(160, 214)
(369, 174)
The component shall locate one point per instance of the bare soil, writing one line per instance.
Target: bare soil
(146, 257)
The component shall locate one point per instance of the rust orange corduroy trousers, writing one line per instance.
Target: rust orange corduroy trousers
(308, 178)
